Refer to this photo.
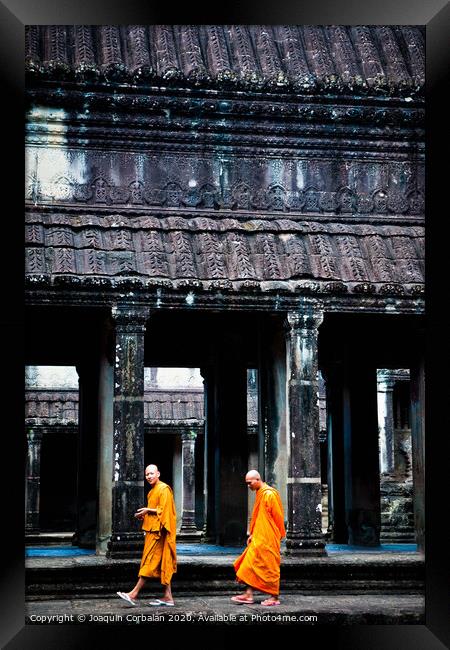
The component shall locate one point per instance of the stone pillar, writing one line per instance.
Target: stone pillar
(362, 476)
(304, 530)
(105, 454)
(385, 391)
(418, 449)
(32, 488)
(128, 479)
(177, 482)
(397, 518)
(188, 530)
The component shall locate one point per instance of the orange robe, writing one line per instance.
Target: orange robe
(259, 564)
(159, 558)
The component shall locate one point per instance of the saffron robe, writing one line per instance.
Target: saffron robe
(159, 558)
(259, 564)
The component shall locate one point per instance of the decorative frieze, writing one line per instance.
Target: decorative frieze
(240, 196)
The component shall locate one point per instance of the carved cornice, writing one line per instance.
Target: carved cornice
(36, 427)
(42, 282)
(175, 427)
(165, 111)
(276, 299)
(106, 289)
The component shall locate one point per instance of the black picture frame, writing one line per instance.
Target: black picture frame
(14, 15)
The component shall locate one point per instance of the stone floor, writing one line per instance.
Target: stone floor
(295, 609)
(215, 608)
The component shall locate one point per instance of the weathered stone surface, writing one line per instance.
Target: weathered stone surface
(378, 60)
(254, 196)
(128, 482)
(342, 573)
(188, 529)
(210, 611)
(304, 530)
(33, 479)
(397, 512)
(47, 407)
(207, 249)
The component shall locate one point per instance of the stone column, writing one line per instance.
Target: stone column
(188, 530)
(418, 449)
(385, 391)
(177, 482)
(33, 482)
(128, 478)
(304, 530)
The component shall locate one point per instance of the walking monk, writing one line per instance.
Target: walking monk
(259, 565)
(159, 558)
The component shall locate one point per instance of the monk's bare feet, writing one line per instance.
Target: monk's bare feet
(270, 602)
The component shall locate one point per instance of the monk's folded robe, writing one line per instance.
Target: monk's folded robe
(259, 564)
(159, 558)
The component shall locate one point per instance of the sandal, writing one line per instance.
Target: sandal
(126, 597)
(270, 603)
(242, 600)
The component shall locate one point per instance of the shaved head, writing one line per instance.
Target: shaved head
(253, 480)
(152, 474)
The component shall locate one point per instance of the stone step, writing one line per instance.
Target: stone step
(48, 539)
(94, 575)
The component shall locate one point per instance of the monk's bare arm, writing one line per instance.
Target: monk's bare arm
(145, 511)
